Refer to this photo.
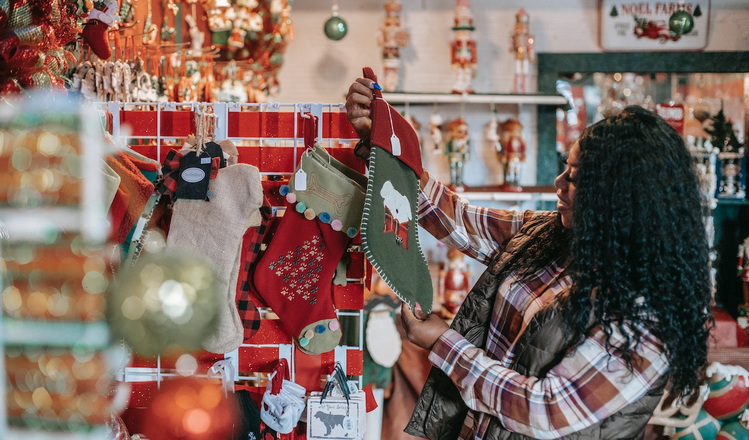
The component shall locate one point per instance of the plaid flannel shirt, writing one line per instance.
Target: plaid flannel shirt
(586, 387)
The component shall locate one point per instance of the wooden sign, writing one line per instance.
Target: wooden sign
(670, 25)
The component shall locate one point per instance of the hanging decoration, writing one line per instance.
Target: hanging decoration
(103, 16)
(335, 27)
(463, 47)
(255, 33)
(391, 38)
(682, 22)
(32, 36)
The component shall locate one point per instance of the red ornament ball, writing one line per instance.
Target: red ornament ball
(191, 408)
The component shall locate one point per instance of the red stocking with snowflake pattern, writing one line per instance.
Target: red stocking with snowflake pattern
(294, 276)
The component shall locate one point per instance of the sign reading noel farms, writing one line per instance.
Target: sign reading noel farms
(654, 25)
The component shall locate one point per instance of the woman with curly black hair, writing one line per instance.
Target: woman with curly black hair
(585, 315)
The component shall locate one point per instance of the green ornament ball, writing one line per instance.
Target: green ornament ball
(166, 303)
(681, 22)
(335, 28)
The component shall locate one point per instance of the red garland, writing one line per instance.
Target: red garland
(31, 52)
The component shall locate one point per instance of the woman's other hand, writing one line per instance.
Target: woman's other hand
(422, 329)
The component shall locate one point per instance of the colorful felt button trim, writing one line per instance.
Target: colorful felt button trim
(320, 329)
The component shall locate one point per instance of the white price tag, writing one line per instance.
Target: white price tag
(300, 180)
(395, 144)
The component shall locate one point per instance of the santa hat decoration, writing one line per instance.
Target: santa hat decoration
(389, 225)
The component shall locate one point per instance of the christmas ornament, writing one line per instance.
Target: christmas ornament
(729, 391)
(32, 36)
(736, 430)
(192, 408)
(335, 27)
(681, 22)
(165, 303)
(704, 428)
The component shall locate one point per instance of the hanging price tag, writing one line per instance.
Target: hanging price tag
(395, 145)
(300, 180)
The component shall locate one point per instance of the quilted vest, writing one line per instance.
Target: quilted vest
(440, 411)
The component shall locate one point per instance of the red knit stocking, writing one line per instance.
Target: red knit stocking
(294, 276)
(95, 34)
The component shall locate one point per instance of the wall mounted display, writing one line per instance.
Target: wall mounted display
(654, 25)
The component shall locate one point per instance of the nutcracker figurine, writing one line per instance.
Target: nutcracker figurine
(463, 47)
(512, 154)
(391, 38)
(454, 283)
(522, 47)
(457, 150)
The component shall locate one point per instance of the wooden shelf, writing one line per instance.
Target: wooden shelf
(473, 98)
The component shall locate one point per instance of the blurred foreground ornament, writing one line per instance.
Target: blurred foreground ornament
(192, 408)
(164, 304)
(335, 27)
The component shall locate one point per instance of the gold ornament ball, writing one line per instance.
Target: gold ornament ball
(166, 303)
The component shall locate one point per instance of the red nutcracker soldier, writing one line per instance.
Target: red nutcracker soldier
(454, 283)
(463, 47)
(522, 47)
(513, 153)
(391, 38)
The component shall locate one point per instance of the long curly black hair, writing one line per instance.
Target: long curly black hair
(637, 233)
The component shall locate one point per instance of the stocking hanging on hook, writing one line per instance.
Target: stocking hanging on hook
(309, 130)
(335, 27)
